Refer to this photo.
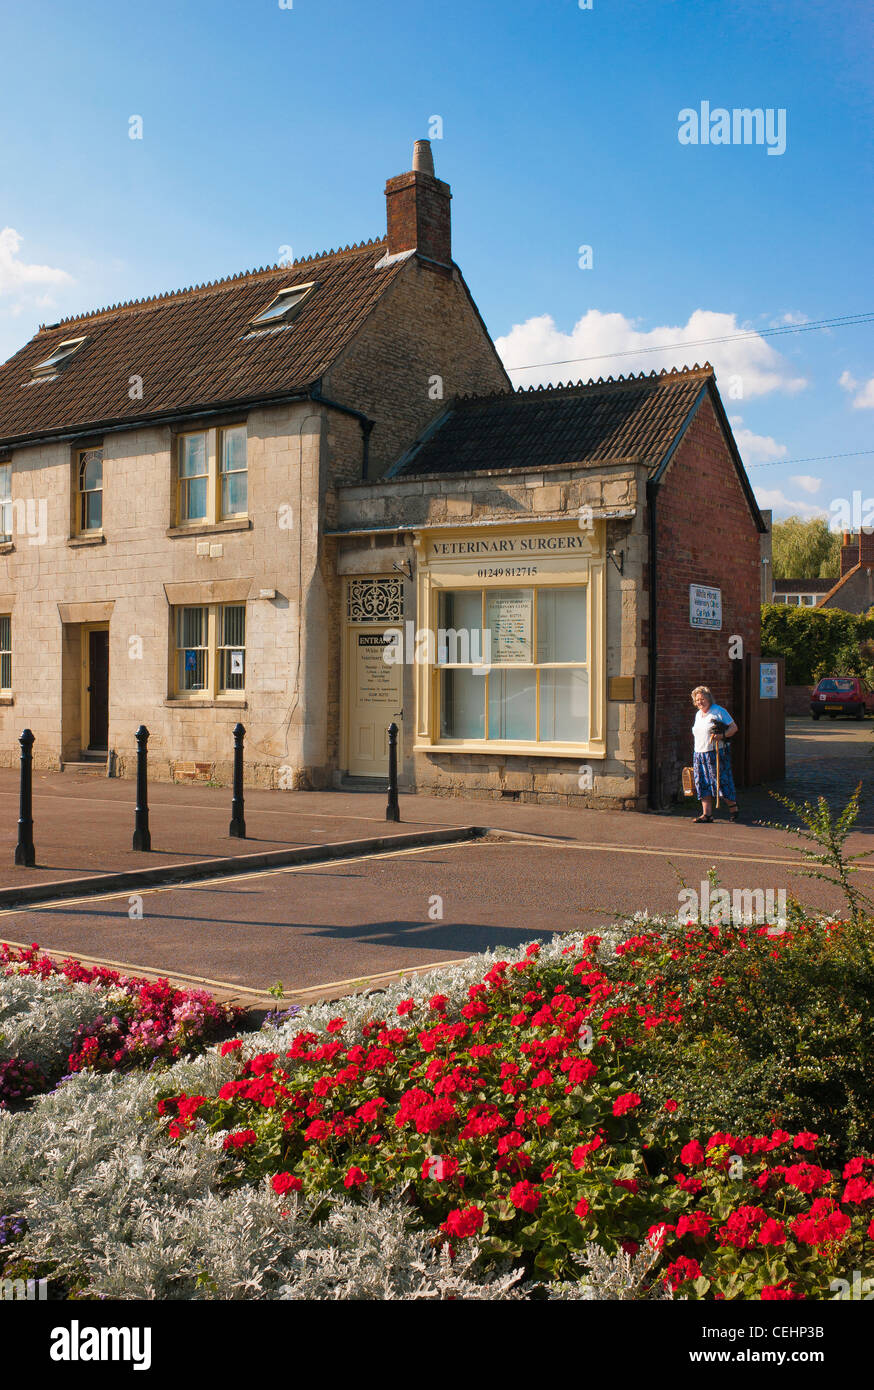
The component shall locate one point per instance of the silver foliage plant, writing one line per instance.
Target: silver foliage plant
(39, 1018)
(124, 1213)
(619, 1277)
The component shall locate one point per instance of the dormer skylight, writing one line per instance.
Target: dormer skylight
(285, 305)
(57, 358)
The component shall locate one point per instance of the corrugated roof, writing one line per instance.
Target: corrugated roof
(633, 419)
(194, 348)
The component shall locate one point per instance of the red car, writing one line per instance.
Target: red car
(841, 695)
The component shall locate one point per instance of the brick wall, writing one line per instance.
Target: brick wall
(705, 535)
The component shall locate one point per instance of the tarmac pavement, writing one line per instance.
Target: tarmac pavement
(324, 928)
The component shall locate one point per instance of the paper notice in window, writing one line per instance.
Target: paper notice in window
(509, 619)
(236, 663)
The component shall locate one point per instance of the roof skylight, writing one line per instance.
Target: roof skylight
(284, 306)
(57, 357)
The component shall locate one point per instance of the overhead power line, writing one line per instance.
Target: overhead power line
(815, 458)
(843, 321)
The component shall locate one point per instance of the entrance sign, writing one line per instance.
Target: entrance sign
(768, 680)
(705, 607)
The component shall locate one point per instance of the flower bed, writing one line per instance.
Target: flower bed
(530, 1119)
(62, 1018)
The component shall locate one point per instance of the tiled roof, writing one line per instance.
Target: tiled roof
(195, 347)
(633, 419)
(804, 586)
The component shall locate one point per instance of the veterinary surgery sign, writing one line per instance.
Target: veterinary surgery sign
(705, 607)
(508, 546)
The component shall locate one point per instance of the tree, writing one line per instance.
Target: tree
(805, 549)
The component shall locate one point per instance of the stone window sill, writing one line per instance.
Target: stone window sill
(7, 547)
(7, 700)
(87, 538)
(172, 703)
(215, 528)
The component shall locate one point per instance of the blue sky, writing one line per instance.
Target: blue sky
(265, 127)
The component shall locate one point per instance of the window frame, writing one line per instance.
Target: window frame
(213, 622)
(6, 514)
(5, 690)
(264, 318)
(215, 476)
(57, 358)
(79, 464)
(538, 744)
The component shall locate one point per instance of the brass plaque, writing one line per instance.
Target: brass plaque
(621, 688)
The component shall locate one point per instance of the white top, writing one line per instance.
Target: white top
(702, 728)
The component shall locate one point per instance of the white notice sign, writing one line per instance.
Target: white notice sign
(768, 680)
(705, 607)
(509, 615)
(236, 663)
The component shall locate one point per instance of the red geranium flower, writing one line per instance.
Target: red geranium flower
(285, 1182)
(463, 1222)
(356, 1177)
(681, 1270)
(691, 1153)
(625, 1102)
(524, 1196)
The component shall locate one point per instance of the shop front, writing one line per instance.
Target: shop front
(510, 658)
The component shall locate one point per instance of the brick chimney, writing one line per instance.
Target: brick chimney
(849, 551)
(417, 208)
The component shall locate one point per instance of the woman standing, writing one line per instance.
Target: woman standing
(712, 762)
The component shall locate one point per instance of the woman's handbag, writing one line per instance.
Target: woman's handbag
(688, 781)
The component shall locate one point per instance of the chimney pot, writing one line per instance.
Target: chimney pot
(423, 159)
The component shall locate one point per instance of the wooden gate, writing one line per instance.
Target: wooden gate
(761, 727)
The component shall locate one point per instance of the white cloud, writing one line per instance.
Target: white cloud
(783, 506)
(755, 448)
(794, 316)
(595, 336)
(17, 275)
(805, 481)
(864, 390)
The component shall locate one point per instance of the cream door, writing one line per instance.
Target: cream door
(374, 700)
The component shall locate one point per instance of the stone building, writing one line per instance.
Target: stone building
(308, 499)
(165, 474)
(538, 583)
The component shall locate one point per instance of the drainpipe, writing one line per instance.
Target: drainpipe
(654, 788)
(364, 421)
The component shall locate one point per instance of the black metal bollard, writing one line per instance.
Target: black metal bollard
(142, 834)
(24, 850)
(238, 819)
(392, 810)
